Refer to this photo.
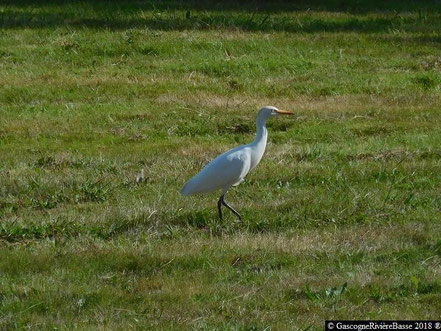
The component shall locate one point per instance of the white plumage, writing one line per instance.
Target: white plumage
(230, 168)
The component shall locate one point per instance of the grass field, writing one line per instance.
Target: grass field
(341, 218)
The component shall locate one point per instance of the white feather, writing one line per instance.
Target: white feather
(226, 170)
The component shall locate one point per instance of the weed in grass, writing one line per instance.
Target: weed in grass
(426, 82)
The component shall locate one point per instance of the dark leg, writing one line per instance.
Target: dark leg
(219, 206)
(221, 200)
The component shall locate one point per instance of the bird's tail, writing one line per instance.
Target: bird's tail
(186, 190)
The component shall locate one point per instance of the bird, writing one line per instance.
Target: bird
(230, 168)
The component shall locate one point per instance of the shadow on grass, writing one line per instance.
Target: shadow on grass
(350, 6)
(205, 15)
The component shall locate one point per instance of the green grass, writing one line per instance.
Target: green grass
(341, 218)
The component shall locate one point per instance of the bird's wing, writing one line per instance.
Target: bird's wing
(224, 171)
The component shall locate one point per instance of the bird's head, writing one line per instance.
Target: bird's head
(270, 111)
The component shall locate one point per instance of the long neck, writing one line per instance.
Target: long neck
(259, 144)
(262, 134)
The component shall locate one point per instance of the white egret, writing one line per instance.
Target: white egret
(229, 169)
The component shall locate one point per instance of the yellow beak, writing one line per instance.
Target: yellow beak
(284, 112)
